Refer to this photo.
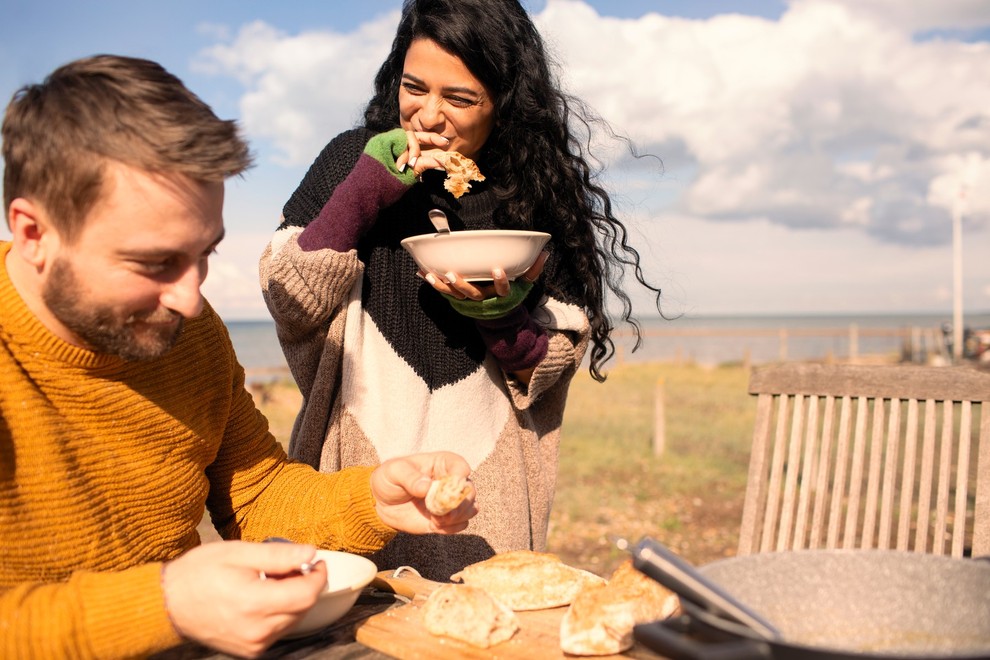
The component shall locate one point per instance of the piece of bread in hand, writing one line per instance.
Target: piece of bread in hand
(527, 580)
(600, 621)
(469, 614)
(461, 171)
(446, 494)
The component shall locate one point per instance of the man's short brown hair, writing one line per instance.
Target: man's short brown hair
(58, 135)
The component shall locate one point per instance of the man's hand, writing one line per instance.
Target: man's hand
(400, 485)
(215, 594)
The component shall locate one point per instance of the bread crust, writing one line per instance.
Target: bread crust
(446, 494)
(601, 618)
(461, 171)
(527, 580)
(469, 614)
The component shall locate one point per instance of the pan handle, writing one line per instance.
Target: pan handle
(667, 637)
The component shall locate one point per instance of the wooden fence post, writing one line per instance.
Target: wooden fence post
(659, 419)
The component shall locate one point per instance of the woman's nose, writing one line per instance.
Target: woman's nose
(431, 114)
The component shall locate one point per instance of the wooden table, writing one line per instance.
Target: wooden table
(384, 624)
(334, 642)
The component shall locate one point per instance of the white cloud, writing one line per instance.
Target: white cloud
(301, 88)
(831, 142)
(803, 119)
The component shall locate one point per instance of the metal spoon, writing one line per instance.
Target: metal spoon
(658, 562)
(305, 568)
(439, 220)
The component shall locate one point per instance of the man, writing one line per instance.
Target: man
(122, 406)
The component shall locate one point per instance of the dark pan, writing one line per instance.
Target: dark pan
(840, 604)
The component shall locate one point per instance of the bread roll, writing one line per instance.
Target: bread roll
(446, 494)
(600, 620)
(527, 580)
(461, 171)
(468, 614)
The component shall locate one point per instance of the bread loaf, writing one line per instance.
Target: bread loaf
(469, 614)
(446, 494)
(527, 580)
(461, 171)
(601, 618)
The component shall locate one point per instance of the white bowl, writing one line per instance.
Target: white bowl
(347, 575)
(473, 254)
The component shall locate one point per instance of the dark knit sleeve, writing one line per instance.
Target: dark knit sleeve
(331, 167)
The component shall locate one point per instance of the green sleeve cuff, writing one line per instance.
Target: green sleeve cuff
(492, 308)
(385, 148)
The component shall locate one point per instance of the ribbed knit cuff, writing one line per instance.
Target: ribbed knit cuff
(374, 183)
(362, 531)
(515, 340)
(124, 612)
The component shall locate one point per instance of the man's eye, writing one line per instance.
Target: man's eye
(159, 266)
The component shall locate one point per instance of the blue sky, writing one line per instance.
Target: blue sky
(813, 150)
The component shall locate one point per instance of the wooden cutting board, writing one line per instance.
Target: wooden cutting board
(399, 631)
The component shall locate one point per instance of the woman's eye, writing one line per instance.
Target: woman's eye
(460, 101)
(412, 89)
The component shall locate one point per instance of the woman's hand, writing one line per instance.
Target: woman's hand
(416, 157)
(456, 286)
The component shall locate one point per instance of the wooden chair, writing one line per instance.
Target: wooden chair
(836, 460)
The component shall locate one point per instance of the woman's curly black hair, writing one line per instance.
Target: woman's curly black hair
(538, 154)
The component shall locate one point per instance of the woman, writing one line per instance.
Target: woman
(391, 360)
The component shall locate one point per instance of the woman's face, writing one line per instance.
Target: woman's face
(439, 95)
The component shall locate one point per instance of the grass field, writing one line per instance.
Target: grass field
(610, 484)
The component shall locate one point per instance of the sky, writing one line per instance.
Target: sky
(806, 156)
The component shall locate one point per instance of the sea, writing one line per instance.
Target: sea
(711, 340)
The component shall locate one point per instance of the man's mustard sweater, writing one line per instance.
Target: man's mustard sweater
(105, 467)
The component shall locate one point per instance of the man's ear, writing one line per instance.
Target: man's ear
(34, 237)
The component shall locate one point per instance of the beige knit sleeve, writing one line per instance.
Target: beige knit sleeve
(568, 333)
(304, 289)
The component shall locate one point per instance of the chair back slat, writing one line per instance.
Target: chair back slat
(877, 428)
(841, 461)
(939, 534)
(850, 456)
(981, 509)
(962, 480)
(809, 467)
(890, 474)
(793, 463)
(824, 471)
(908, 485)
(856, 474)
(926, 478)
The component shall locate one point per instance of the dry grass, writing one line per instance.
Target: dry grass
(610, 484)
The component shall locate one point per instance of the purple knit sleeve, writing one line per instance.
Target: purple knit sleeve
(353, 207)
(515, 340)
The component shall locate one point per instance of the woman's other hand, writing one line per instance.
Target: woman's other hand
(456, 286)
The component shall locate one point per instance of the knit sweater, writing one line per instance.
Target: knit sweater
(105, 467)
(387, 367)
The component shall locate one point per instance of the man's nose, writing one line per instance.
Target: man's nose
(183, 295)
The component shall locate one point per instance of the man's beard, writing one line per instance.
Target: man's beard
(102, 328)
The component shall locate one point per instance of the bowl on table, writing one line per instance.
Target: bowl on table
(347, 575)
(473, 254)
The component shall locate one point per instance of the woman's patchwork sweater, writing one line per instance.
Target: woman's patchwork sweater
(387, 368)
